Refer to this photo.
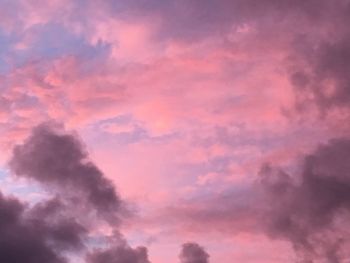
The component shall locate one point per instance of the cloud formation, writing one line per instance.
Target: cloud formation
(309, 207)
(37, 234)
(119, 254)
(57, 159)
(193, 253)
(192, 96)
(312, 210)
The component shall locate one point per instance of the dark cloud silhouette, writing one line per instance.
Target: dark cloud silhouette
(119, 254)
(312, 209)
(59, 161)
(43, 233)
(36, 235)
(67, 230)
(193, 253)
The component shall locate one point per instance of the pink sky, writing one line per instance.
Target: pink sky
(180, 104)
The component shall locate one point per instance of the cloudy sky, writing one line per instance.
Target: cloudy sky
(184, 131)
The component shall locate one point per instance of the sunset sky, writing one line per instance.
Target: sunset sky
(183, 131)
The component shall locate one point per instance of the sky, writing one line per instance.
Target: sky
(184, 131)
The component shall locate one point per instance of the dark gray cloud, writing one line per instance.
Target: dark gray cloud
(59, 161)
(312, 210)
(193, 253)
(67, 230)
(36, 235)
